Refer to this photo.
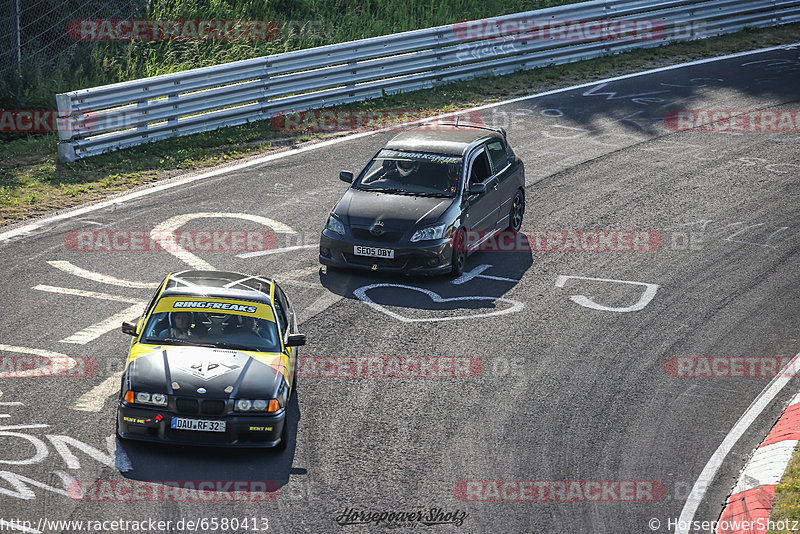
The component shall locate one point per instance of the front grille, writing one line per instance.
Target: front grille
(187, 405)
(387, 237)
(213, 407)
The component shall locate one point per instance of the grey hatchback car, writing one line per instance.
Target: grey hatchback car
(425, 201)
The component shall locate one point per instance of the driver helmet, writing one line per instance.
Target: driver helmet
(405, 167)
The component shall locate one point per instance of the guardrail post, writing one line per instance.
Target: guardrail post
(173, 97)
(437, 50)
(353, 63)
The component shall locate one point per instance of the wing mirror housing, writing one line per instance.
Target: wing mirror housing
(346, 176)
(129, 328)
(295, 340)
(477, 189)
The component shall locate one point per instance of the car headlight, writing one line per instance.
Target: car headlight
(257, 405)
(429, 233)
(142, 397)
(335, 224)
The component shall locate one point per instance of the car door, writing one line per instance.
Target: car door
(503, 179)
(288, 325)
(482, 209)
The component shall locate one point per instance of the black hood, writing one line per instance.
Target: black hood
(215, 370)
(364, 208)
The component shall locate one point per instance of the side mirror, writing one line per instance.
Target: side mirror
(477, 189)
(129, 328)
(295, 340)
(346, 176)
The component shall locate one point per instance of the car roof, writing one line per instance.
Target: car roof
(443, 138)
(219, 284)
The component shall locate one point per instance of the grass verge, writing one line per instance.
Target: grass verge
(34, 182)
(786, 506)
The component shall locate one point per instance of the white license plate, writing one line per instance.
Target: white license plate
(373, 252)
(204, 425)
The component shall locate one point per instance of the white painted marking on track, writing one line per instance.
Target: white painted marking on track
(712, 466)
(28, 228)
(85, 293)
(164, 234)
(275, 251)
(586, 302)
(318, 306)
(92, 332)
(477, 272)
(68, 267)
(70, 362)
(96, 330)
(94, 399)
(361, 294)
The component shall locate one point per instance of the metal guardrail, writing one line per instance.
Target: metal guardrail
(100, 119)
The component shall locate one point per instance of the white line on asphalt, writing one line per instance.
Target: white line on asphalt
(274, 251)
(164, 235)
(94, 399)
(84, 293)
(318, 306)
(96, 330)
(68, 267)
(92, 332)
(28, 228)
(715, 462)
(121, 460)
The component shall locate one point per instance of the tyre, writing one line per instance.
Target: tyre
(459, 258)
(517, 211)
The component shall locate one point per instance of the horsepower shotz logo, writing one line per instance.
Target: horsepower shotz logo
(214, 305)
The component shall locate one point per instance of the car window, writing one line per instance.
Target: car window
(480, 169)
(220, 329)
(411, 173)
(498, 154)
(284, 302)
(283, 318)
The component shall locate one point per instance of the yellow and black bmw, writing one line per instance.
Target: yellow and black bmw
(212, 362)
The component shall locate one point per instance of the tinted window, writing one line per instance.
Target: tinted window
(480, 169)
(281, 312)
(411, 173)
(498, 154)
(284, 303)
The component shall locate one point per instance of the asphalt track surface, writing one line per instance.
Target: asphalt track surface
(567, 392)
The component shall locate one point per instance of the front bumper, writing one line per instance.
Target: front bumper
(425, 257)
(254, 431)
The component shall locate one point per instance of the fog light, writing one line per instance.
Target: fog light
(325, 252)
(433, 262)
